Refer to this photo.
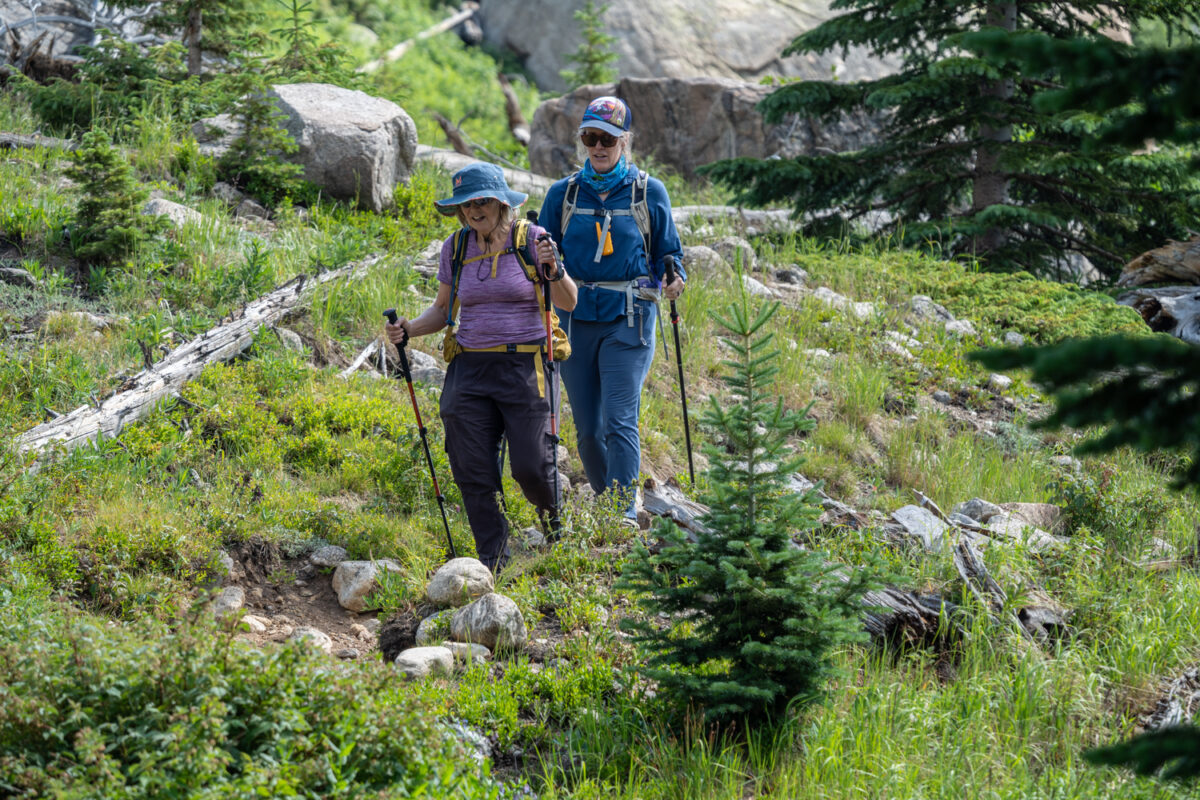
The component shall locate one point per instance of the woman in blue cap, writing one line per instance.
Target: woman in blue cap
(616, 229)
(495, 386)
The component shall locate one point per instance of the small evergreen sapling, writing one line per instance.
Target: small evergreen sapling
(754, 620)
(595, 54)
(109, 223)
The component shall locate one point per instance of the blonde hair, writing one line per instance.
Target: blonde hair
(507, 214)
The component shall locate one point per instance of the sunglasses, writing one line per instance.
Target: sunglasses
(478, 202)
(590, 139)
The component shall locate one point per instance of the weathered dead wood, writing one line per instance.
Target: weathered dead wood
(766, 219)
(164, 379)
(1170, 309)
(453, 134)
(521, 180)
(894, 615)
(1174, 262)
(517, 123)
(362, 358)
(1179, 703)
(15, 141)
(465, 13)
(666, 499)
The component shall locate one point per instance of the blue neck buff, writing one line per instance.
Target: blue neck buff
(609, 180)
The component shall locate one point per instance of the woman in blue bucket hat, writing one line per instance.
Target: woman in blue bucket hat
(495, 385)
(616, 229)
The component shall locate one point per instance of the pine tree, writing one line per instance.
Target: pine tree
(203, 26)
(595, 54)
(967, 162)
(754, 619)
(1144, 390)
(109, 225)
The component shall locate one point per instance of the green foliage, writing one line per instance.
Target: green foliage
(304, 58)
(87, 711)
(1143, 391)
(1098, 503)
(968, 161)
(114, 78)
(253, 161)
(1173, 753)
(595, 53)
(1102, 75)
(754, 620)
(109, 226)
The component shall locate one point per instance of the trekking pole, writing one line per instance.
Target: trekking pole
(551, 371)
(669, 263)
(407, 372)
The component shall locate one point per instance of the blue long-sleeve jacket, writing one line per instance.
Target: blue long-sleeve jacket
(628, 259)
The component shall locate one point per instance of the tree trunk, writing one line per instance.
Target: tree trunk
(991, 184)
(191, 38)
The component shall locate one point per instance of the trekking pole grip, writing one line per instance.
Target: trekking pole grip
(669, 266)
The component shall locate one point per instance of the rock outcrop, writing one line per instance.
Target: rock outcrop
(738, 39)
(687, 122)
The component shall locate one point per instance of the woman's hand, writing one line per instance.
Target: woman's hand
(673, 289)
(547, 256)
(398, 333)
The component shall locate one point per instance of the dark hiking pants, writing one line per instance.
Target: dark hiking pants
(486, 396)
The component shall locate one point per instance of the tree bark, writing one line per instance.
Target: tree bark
(517, 123)
(468, 10)
(191, 38)
(990, 186)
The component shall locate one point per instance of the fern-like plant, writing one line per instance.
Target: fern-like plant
(754, 619)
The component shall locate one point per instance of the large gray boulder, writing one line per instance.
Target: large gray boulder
(739, 39)
(354, 146)
(686, 122)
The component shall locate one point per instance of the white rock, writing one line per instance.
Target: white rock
(1013, 339)
(493, 621)
(421, 662)
(757, 288)
(179, 215)
(999, 383)
(1014, 527)
(328, 556)
(372, 625)
(960, 327)
(978, 509)
(922, 524)
(229, 601)
(312, 636)
(434, 627)
(254, 624)
(354, 580)
(468, 653)
(459, 581)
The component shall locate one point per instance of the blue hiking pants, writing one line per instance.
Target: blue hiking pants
(603, 379)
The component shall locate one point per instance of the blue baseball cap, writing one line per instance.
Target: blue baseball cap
(479, 180)
(609, 114)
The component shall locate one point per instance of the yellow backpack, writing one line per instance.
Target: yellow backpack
(527, 258)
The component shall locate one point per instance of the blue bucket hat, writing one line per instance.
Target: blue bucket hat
(479, 180)
(609, 114)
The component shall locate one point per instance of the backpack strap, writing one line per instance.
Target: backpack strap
(639, 209)
(456, 265)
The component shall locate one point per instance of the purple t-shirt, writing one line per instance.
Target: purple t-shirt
(493, 311)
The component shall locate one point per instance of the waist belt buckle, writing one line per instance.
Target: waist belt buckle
(510, 348)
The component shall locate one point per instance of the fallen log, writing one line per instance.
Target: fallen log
(466, 12)
(1170, 309)
(521, 180)
(164, 379)
(15, 141)
(517, 123)
(453, 134)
